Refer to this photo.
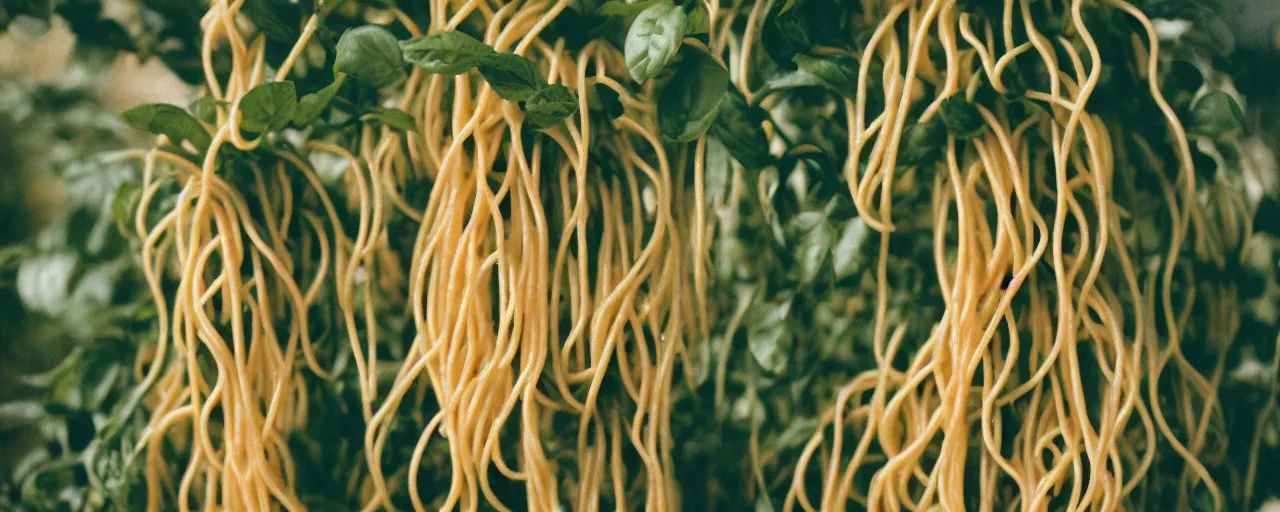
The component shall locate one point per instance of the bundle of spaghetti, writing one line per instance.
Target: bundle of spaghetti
(233, 302)
(491, 299)
(1039, 286)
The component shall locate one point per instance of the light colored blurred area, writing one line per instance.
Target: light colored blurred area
(125, 85)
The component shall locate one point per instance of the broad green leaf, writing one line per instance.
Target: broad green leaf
(1215, 115)
(920, 141)
(785, 81)
(699, 21)
(397, 119)
(769, 335)
(268, 107)
(962, 118)
(628, 11)
(653, 40)
(512, 77)
(123, 204)
(310, 106)
(44, 282)
(550, 105)
(279, 20)
(206, 108)
(690, 101)
(840, 72)
(19, 413)
(446, 53)
(702, 357)
(798, 433)
(846, 255)
(718, 175)
(738, 127)
(370, 54)
(168, 120)
(811, 236)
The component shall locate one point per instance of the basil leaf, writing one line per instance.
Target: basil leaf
(788, 80)
(371, 55)
(268, 107)
(395, 118)
(168, 120)
(718, 177)
(812, 234)
(738, 127)
(123, 204)
(1216, 114)
(628, 11)
(785, 34)
(653, 40)
(920, 141)
(699, 21)
(279, 20)
(798, 433)
(550, 105)
(44, 282)
(689, 102)
(840, 73)
(446, 53)
(769, 336)
(310, 106)
(962, 118)
(206, 109)
(846, 256)
(512, 77)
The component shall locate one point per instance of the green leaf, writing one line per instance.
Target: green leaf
(512, 77)
(840, 73)
(738, 127)
(1215, 115)
(797, 433)
(653, 39)
(446, 53)
(812, 236)
(279, 20)
(920, 141)
(962, 118)
(628, 11)
(44, 282)
(699, 21)
(769, 337)
(785, 81)
(268, 107)
(690, 101)
(718, 175)
(122, 205)
(206, 109)
(550, 105)
(370, 54)
(397, 119)
(168, 120)
(310, 106)
(846, 256)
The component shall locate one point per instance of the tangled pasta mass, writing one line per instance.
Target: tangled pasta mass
(701, 255)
